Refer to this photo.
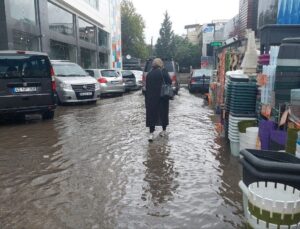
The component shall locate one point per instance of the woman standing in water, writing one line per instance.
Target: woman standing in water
(157, 108)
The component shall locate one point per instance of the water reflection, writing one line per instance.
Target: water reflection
(159, 176)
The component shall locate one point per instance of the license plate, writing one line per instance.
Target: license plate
(86, 93)
(115, 82)
(25, 89)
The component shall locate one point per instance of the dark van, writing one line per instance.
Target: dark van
(27, 84)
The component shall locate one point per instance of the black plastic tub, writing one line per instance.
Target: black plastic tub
(259, 165)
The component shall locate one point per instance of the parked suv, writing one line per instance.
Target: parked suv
(26, 84)
(74, 85)
(172, 68)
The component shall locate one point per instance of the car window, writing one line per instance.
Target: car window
(127, 74)
(169, 66)
(148, 66)
(109, 73)
(68, 70)
(25, 66)
(90, 72)
(202, 72)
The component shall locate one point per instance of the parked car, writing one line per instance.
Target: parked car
(139, 78)
(27, 84)
(74, 85)
(172, 69)
(129, 80)
(110, 80)
(200, 80)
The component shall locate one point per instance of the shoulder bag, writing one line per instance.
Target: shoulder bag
(166, 89)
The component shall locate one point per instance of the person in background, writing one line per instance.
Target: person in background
(157, 108)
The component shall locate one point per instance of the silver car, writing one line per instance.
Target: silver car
(110, 80)
(73, 84)
(139, 77)
(129, 80)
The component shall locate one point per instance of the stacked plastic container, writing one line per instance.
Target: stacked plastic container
(248, 140)
(270, 186)
(288, 70)
(234, 135)
(240, 104)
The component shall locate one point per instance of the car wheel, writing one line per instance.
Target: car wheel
(47, 115)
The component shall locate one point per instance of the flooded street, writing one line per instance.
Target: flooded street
(92, 167)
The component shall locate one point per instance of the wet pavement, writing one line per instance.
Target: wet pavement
(92, 167)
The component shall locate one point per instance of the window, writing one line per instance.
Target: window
(60, 20)
(23, 11)
(88, 58)
(102, 38)
(103, 60)
(25, 41)
(62, 51)
(109, 73)
(86, 31)
(68, 70)
(27, 66)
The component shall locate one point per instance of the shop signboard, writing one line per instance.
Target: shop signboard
(208, 31)
(288, 12)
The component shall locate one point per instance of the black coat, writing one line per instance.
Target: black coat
(157, 108)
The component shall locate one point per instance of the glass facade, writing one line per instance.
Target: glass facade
(25, 41)
(87, 31)
(289, 12)
(62, 51)
(267, 12)
(60, 20)
(102, 38)
(88, 58)
(103, 60)
(23, 10)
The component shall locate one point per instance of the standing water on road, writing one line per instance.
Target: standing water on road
(92, 167)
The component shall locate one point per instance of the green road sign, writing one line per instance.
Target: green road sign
(216, 44)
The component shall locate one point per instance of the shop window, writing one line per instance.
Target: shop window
(60, 20)
(62, 51)
(86, 31)
(25, 41)
(87, 58)
(103, 60)
(102, 38)
(23, 11)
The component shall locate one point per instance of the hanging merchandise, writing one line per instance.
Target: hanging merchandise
(265, 128)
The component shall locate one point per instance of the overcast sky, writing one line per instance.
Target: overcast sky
(182, 12)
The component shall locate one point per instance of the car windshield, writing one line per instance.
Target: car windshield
(25, 66)
(169, 66)
(202, 72)
(68, 70)
(109, 73)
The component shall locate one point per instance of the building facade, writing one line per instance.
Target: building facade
(247, 16)
(75, 30)
(192, 33)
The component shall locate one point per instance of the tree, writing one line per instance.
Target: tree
(165, 43)
(186, 53)
(132, 28)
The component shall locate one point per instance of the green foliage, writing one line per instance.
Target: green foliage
(165, 43)
(133, 26)
(186, 54)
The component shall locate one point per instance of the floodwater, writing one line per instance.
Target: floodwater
(92, 167)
